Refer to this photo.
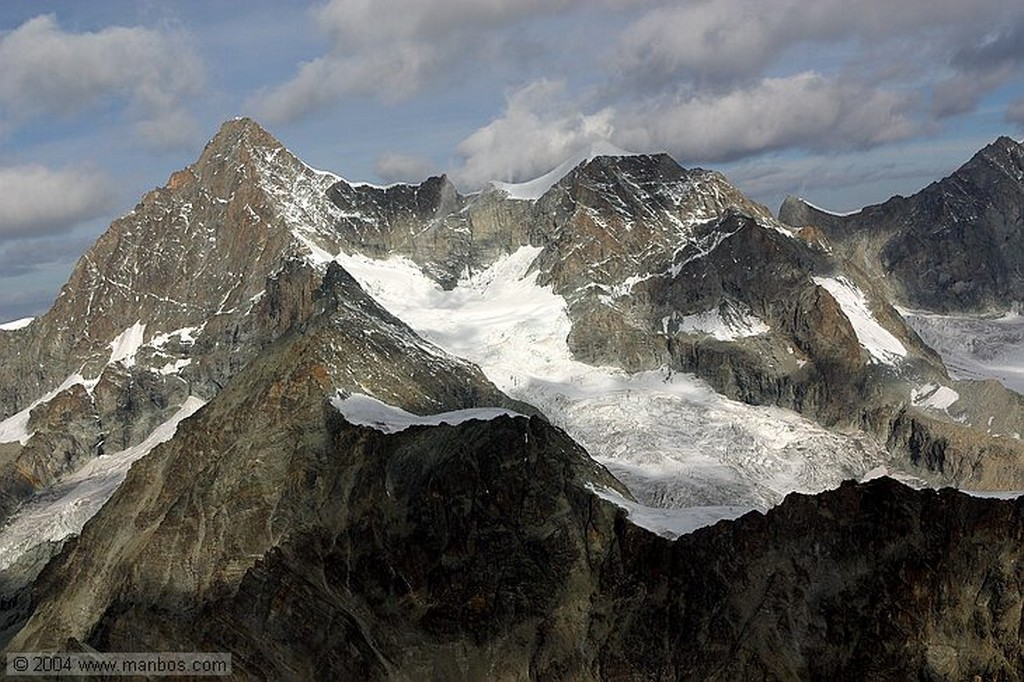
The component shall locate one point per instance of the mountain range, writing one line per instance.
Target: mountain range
(592, 426)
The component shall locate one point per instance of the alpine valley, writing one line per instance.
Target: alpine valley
(618, 422)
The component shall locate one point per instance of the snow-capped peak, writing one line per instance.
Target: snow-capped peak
(826, 211)
(531, 190)
(14, 325)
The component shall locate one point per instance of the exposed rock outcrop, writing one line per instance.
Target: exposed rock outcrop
(955, 246)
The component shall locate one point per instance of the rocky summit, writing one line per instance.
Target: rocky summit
(955, 246)
(592, 426)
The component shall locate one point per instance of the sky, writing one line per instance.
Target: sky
(843, 103)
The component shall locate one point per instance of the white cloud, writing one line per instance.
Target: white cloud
(392, 167)
(393, 53)
(171, 128)
(805, 110)
(36, 201)
(724, 40)
(47, 70)
(539, 129)
(541, 125)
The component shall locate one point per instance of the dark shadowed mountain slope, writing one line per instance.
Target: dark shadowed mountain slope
(256, 432)
(955, 246)
(479, 551)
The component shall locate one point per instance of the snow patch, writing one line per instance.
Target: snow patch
(826, 211)
(364, 410)
(671, 523)
(16, 324)
(934, 397)
(531, 190)
(725, 323)
(872, 336)
(174, 367)
(994, 494)
(185, 335)
(63, 509)
(124, 347)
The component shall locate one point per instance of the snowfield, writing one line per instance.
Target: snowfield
(532, 190)
(14, 325)
(15, 428)
(364, 410)
(975, 346)
(872, 336)
(690, 455)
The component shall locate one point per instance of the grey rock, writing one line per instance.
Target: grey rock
(955, 246)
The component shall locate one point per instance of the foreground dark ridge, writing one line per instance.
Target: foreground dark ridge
(480, 552)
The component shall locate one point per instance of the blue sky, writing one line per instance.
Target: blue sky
(844, 103)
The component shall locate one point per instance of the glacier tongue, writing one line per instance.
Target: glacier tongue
(668, 436)
(64, 508)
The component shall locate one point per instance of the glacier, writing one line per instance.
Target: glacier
(63, 509)
(688, 454)
(975, 346)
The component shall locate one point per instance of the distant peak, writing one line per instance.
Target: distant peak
(1001, 145)
(1004, 154)
(797, 211)
(242, 132)
(533, 189)
(239, 143)
(1005, 142)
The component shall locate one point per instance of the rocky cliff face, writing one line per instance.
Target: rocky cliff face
(269, 414)
(955, 246)
(171, 301)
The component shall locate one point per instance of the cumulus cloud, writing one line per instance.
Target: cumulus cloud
(393, 54)
(37, 201)
(47, 70)
(392, 167)
(725, 40)
(716, 80)
(541, 125)
(539, 128)
(805, 110)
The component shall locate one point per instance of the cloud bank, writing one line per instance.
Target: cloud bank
(396, 53)
(49, 71)
(39, 201)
